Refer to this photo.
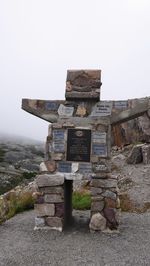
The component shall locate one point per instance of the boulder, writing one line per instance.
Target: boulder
(97, 223)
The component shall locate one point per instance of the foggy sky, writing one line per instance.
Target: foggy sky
(41, 39)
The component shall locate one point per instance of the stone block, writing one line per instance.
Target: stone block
(51, 166)
(110, 203)
(57, 156)
(110, 215)
(96, 191)
(146, 154)
(52, 190)
(97, 223)
(39, 222)
(104, 183)
(44, 209)
(97, 206)
(48, 180)
(53, 198)
(109, 194)
(59, 210)
(135, 155)
(54, 222)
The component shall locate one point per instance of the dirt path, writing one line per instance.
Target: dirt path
(21, 245)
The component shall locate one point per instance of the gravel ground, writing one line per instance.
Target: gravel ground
(21, 245)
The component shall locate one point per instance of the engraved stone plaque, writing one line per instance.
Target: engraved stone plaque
(99, 137)
(58, 135)
(78, 145)
(64, 167)
(99, 149)
(58, 147)
(121, 105)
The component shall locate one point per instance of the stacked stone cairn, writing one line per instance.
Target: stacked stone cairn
(77, 148)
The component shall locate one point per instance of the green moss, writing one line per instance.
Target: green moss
(81, 200)
(29, 175)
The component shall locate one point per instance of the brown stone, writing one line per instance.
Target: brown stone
(46, 180)
(81, 111)
(97, 206)
(53, 198)
(44, 209)
(110, 203)
(51, 166)
(59, 210)
(54, 222)
(110, 216)
(96, 191)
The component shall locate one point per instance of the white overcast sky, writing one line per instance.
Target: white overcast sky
(41, 39)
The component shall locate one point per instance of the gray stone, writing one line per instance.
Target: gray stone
(96, 191)
(104, 183)
(135, 155)
(97, 206)
(46, 180)
(57, 156)
(146, 154)
(39, 222)
(109, 194)
(53, 198)
(44, 209)
(98, 222)
(52, 190)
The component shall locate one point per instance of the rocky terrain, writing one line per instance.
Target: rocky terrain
(19, 160)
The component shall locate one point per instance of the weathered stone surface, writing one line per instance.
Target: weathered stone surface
(109, 194)
(43, 167)
(54, 222)
(66, 111)
(44, 209)
(110, 216)
(110, 203)
(97, 206)
(135, 155)
(59, 210)
(53, 198)
(105, 183)
(83, 84)
(96, 191)
(39, 222)
(81, 111)
(98, 222)
(46, 180)
(51, 166)
(57, 156)
(52, 190)
(146, 154)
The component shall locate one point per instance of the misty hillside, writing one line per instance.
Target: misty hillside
(19, 160)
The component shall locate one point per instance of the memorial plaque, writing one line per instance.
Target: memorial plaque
(99, 149)
(99, 137)
(85, 168)
(64, 167)
(51, 106)
(121, 105)
(58, 146)
(102, 109)
(65, 110)
(58, 135)
(78, 145)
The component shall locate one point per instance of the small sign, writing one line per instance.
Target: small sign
(99, 149)
(99, 137)
(58, 146)
(64, 167)
(121, 105)
(102, 109)
(85, 168)
(100, 167)
(65, 110)
(51, 106)
(58, 134)
(78, 145)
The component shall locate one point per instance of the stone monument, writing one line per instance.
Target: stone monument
(78, 147)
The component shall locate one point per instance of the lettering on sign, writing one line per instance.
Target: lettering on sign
(99, 137)
(102, 109)
(99, 149)
(85, 168)
(78, 145)
(58, 134)
(121, 105)
(100, 167)
(51, 106)
(64, 167)
(58, 146)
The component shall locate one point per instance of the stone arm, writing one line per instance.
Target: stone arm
(132, 113)
(46, 110)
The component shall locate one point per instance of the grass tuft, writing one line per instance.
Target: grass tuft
(81, 200)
